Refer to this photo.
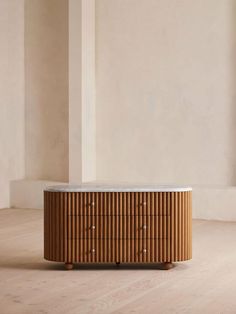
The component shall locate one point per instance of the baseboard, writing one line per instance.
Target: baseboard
(209, 202)
(214, 202)
(28, 193)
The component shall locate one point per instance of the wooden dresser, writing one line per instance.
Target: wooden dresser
(117, 224)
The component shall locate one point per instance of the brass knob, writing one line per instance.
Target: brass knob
(93, 227)
(93, 250)
(92, 204)
(144, 250)
(144, 204)
(144, 227)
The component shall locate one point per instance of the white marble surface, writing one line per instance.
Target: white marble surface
(117, 188)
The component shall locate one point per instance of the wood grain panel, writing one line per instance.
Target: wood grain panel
(119, 203)
(117, 227)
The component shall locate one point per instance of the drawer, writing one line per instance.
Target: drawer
(149, 250)
(123, 250)
(93, 250)
(93, 227)
(118, 227)
(100, 227)
(119, 203)
(152, 227)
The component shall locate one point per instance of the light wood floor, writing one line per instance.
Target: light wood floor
(28, 284)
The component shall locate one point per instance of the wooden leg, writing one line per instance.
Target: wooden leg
(68, 266)
(117, 263)
(166, 265)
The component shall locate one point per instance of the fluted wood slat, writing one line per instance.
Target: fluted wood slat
(117, 226)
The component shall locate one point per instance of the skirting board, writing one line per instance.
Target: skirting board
(214, 202)
(209, 202)
(28, 193)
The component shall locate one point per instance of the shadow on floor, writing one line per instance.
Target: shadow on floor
(40, 264)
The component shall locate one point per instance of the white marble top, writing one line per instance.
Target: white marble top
(117, 188)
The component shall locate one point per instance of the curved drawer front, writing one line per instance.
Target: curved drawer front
(122, 250)
(110, 227)
(112, 203)
(118, 227)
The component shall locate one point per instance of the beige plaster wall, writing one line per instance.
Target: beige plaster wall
(75, 91)
(82, 117)
(11, 95)
(165, 72)
(46, 92)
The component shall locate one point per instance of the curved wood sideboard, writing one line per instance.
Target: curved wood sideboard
(86, 226)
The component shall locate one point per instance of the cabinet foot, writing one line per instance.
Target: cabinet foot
(117, 263)
(68, 266)
(166, 265)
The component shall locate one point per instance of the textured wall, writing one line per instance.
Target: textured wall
(166, 91)
(11, 95)
(46, 79)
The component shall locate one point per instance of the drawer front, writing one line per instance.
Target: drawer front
(93, 227)
(144, 250)
(101, 227)
(93, 250)
(152, 227)
(118, 227)
(117, 203)
(123, 250)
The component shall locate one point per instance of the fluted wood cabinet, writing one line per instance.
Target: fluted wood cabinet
(119, 227)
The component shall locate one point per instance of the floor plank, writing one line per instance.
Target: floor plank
(28, 284)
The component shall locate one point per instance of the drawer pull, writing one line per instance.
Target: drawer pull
(144, 251)
(144, 227)
(93, 251)
(91, 204)
(93, 227)
(143, 204)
